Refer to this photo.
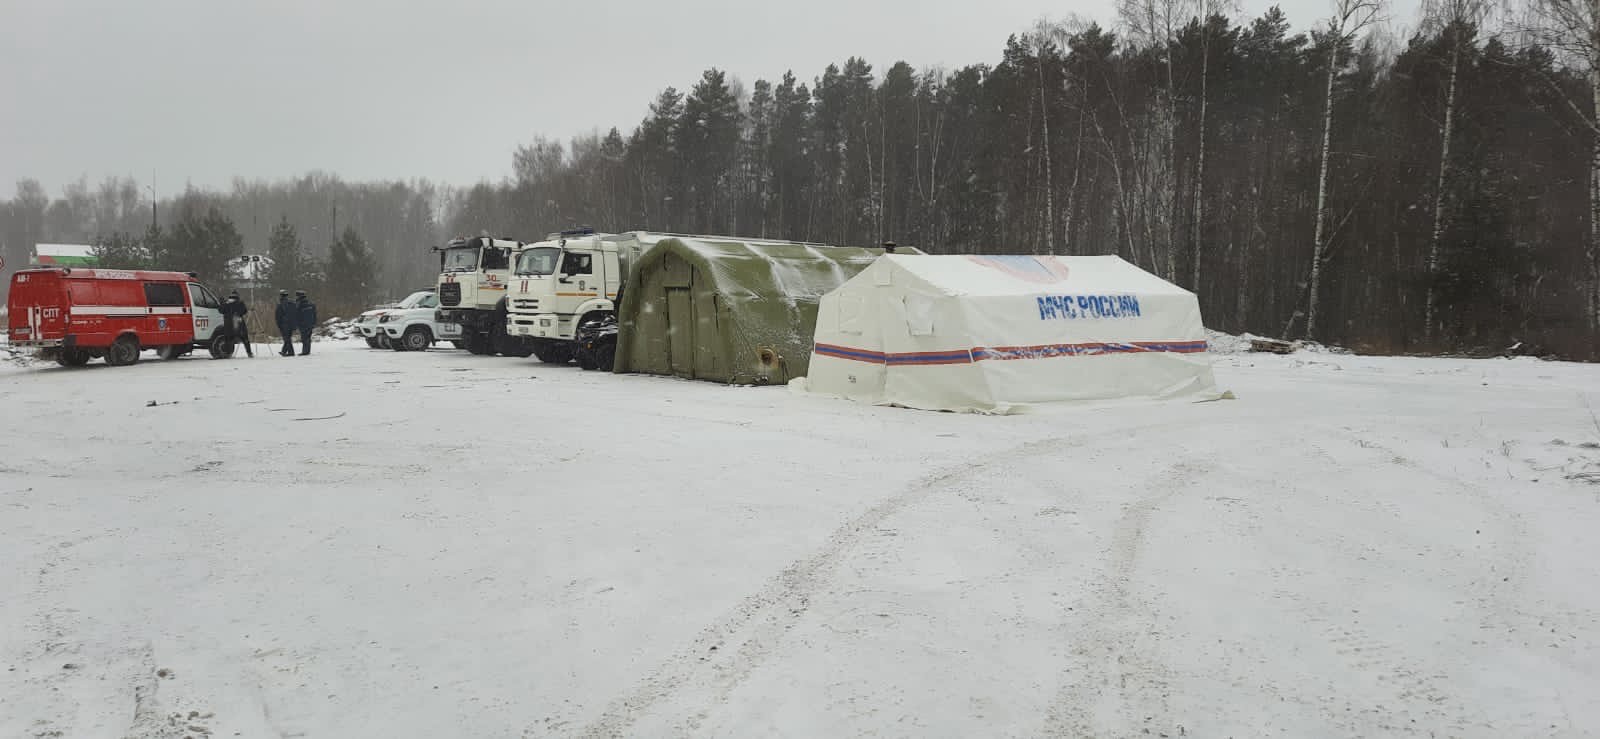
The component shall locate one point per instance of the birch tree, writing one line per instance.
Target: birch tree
(1154, 23)
(1349, 19)
(1455, 19)
(1047, 51)
(1572, 29)
(1206, 8)
(1074, 88)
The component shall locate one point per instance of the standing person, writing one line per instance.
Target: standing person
(288, 317)
(233, 310)
(307, 314)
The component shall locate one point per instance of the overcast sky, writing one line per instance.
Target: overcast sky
(204, 90)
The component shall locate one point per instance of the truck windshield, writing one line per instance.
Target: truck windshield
(461, 259)
(540, 261)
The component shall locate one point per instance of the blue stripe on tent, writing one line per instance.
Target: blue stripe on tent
(860, 355)
(1041, 351)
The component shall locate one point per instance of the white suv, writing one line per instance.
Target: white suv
(408, 326)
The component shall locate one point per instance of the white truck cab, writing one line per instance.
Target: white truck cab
(473, 275)
(572, 277)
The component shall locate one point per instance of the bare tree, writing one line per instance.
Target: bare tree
(930, 128)
(1349, 19)
(1206, 8)
(1043, 40)
(1059, 37)
(1571, 28)
(1155, 23)
(1453, 19)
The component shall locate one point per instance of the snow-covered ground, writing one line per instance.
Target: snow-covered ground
(374, 544)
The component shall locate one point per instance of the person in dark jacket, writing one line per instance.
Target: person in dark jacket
(233, 310)
(288, 318)
(306, 311)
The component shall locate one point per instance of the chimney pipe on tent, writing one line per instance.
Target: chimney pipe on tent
(888, 247)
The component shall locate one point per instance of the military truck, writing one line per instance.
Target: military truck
(568, 287)
(473, 275)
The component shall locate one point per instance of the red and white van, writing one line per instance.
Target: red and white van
(73, 314)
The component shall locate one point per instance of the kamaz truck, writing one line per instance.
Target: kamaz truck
(473, 275)
(565, 291)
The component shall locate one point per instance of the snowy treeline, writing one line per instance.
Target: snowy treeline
(1432, 193)
(308, 224)
(1447, 175)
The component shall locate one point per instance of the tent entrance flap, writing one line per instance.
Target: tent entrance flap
(680, 331)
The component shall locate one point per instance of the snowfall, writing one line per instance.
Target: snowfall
(363, 543)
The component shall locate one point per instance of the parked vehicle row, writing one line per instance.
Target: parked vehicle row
(555, 299)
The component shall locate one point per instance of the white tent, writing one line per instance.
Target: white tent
(1007, 334)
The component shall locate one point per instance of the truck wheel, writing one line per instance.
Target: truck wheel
(457, 343)
(605, 356)
(553, 353)
(478, 343)
(169, 352)
(502, 343)
(416, 339)
(522, 348)
(584, 358)
(372, 342)
(123, 352)
(73, 357)
(221, 346)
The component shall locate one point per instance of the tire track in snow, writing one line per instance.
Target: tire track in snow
(1412, 688)
(148, 719)
(1109, 647)
(1419, 696)
(1499, 595)
(1403, 676)
(762, 618)
(55, 628)
(1428, 695)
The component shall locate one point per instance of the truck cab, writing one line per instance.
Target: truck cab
(572, 278)
(473, 274)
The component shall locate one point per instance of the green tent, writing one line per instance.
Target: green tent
(731, 310)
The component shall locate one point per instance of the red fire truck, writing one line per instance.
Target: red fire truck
(73, 314)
